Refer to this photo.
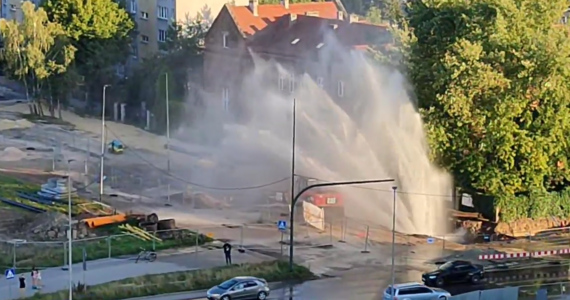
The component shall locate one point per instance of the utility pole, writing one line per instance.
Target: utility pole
(69, 230)
(103, 142)
(167, 124)
(294, 135)
(394, 188)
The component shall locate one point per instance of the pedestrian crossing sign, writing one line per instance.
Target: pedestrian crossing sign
(10, 273)
(282, 225)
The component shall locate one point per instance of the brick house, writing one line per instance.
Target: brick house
(299, 43)
(288, 33)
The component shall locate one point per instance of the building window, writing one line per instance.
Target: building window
(12, 7)
(340, 90)
(225, 39)
(135, 51)
(320, 82)
(144, 15)
(133, 6)
(161, 35)
(292, 83)
(162, 12)
(144, 38)
(226, 99)
(281, 82)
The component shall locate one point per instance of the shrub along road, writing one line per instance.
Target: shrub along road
(107, 270)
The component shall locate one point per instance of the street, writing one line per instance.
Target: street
(361, 283)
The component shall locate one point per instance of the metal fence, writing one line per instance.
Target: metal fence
(23, 254)
(549, 290)
(508, 293)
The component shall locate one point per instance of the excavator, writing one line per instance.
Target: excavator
(116, 147)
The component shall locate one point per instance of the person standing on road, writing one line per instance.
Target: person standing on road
(38, 279)
(34, 276)
(228, 253)
(22, 281)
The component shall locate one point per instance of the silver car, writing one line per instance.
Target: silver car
(240, 288)
(415, 291)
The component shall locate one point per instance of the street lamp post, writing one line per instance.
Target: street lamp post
(102, 142)
(294, 201)
(394, 188)
(167, 124)
(294, 135)
(69, 229)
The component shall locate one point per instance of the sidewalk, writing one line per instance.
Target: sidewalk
(107, 270)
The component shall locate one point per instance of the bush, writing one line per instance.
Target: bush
(536, 205)
(149, 285)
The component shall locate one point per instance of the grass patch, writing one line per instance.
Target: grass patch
(53, 254)
(10, 186)
(181, 281)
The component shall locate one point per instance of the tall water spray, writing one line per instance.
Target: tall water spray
(372, 132)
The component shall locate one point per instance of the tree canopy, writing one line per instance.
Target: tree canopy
(101, 31)
(492, 78)
(34, 50)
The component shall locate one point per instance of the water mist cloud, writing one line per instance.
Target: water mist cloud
(372, 132)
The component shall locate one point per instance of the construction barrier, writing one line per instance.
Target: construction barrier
(314, 215)
(508, 293)
(497, 256)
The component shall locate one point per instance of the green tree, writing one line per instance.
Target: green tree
(34, 50)
(374, 15)
(102, 33)
(492, 78)
(180, 61)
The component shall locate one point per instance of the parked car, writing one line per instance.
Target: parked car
(452, 272)
(240, 288)
(415, 291)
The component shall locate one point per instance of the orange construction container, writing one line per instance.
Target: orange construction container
(105, 220)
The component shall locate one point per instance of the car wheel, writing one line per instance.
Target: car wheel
(225, 298)
(442, 298)
(475, 279)
(439, 282)
(262, 296)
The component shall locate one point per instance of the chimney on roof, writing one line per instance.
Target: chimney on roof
(354, 18)
(253, 5)
(340, 15)
(285, 3)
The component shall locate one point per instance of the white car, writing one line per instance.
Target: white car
(415, 291)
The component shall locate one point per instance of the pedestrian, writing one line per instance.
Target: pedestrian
(34, 276)
(22, 280)
(39, 280)
(228, 253)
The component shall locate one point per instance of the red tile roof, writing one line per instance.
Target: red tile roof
(280, 38)
(268, 13)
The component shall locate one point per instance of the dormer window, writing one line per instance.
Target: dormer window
(225, 39)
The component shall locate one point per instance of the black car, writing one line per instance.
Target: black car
(457, 271)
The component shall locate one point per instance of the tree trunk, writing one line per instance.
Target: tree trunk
(59, 109)
(41, 108)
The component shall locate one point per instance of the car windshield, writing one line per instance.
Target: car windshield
(446, 266)
(228, 284)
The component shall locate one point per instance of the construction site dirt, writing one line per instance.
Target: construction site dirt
(138, 180)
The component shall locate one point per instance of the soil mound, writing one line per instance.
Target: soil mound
(12, 154)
